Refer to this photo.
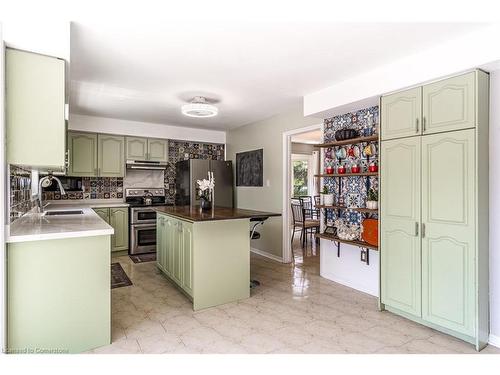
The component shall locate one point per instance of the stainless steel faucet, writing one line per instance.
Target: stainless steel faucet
(46, 182)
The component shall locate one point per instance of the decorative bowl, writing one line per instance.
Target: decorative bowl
(343, 134)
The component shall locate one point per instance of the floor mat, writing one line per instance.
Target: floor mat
(118, 276)
(141, 258)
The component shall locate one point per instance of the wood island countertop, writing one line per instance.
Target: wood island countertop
(194, 213)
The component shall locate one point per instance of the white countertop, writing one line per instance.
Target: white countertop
(35, 226)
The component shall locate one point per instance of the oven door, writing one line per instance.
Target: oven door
(142, 238)
(143, 215)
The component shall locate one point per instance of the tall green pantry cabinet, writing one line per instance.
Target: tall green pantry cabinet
(434, 205)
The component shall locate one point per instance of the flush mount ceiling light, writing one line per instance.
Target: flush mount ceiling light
(199, 108)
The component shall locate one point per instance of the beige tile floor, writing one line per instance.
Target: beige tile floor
(293, 311)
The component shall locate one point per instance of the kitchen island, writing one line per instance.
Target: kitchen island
(206, 253)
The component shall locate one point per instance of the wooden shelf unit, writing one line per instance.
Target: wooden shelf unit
(359, 209)
(371, 138)
(362, 244)
(347, 174)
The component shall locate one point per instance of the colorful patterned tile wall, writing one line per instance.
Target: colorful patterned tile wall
(91, 188)
(20, 192)
(184, 150)
(353, 190)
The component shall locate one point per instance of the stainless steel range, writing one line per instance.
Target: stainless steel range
(143, 218)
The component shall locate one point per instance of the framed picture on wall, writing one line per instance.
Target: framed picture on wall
(250, 168)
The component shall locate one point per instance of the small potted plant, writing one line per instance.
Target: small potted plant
(325, 197)
(206, 188)
(372, 199)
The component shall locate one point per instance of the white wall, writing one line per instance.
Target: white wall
(143, 129)
(348, 269)
(472, 50)
(494, 208)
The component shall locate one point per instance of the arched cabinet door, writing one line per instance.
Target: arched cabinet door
(449, 104)
(401, 114)
(400, 246)
(448, 243)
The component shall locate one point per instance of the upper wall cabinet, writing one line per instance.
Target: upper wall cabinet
(401, 114)
(111, 155)
(35, 110)
(449, 104)
(148, 149)
(442, 106)
(157, 150)
(82, 154)
(96, 155)
(137, 148)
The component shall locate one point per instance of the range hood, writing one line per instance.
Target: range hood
(143, 164)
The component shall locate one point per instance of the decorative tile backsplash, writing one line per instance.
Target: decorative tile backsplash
(184, 150)
(355, 188)
(91, 188)
(21, 200)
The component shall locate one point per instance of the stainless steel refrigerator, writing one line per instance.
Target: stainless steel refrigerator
(189, 171)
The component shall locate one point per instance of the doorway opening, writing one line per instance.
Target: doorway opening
(301, 189)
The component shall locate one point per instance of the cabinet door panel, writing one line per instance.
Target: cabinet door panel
(82, 149)
(160, 244)
(119, 222)
(400, 218)
(34, 109)
(401, 114)
(448, 250)
(177, 252)
(111, 155)
(136, 148)
(168, 237)
(449, 104)
(157, 150)
(187, 255)
(103, 213)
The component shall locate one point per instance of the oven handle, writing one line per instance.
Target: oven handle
(153, 225)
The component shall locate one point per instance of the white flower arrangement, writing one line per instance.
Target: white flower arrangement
(206, 186)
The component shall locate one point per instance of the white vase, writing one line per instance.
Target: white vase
(328, 199)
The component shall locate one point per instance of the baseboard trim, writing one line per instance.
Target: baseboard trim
(494, 340)
(266, 255)
(348, 283)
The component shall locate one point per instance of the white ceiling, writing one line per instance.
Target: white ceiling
(311, 137)
(145, 72)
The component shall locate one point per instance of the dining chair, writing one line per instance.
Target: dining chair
(300, 222)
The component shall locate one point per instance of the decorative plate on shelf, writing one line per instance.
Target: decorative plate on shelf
(369, 233)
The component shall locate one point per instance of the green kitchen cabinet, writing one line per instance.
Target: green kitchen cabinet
(111, 155)
(160, 245)
(187, 253)
(448, 230)
(59, 295)
(400, 215)
(103, 213)
(436, 271)
(82, 154)
(118, 219)
(158, 150)
(146, 149)
(449, 104)
(35, 110)
(136, 148)
(401, 114)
